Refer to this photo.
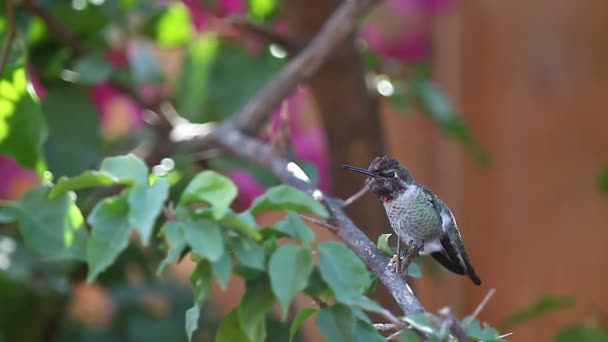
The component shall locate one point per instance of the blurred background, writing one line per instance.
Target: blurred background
(497, 106)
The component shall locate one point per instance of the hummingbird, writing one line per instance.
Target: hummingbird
(417, 216)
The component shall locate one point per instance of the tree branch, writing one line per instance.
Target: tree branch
(338, 27)
(266, 32)
(256, 151)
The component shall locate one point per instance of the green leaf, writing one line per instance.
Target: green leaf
(51, 228)
(193, 84)
(146, 203)
(289, 268)
(437, 106)
(219, 76)
(126, 167)
(299, 320)
(336, 323)
(212, 188)
(343, 271)
(485, 333)
(22, 125)
(9, 213)
(174, 26)
(256, 303)
(174, 234)
(73, 131)
(262, 9)
(87, 179)
(414, 270)
(284, 197)
(243, 222)
(581, 334)
(200, 279)
(293, 226)
(251, 255)
(602, 180)
(365, 332)
(192, 317)
(316, 285)
(205, 238)
(222, 269)
(408, 336)
(110, 233)
(93, 69)
(421, 322)
(230, 330)
(384, 247)
(544, 305)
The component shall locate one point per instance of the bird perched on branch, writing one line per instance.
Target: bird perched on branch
(418, 217)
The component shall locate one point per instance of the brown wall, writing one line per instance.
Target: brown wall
(532, 78)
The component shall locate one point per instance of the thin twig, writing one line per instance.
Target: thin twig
(265, 32)
(336, 30)
(56, 27)
(386, 326)
(319, 222)
(479, 307)
(392, 336)
(256, 151)
(354, 197)
(11, 31)
(454, 324)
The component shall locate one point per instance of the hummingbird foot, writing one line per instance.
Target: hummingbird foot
(413, 250)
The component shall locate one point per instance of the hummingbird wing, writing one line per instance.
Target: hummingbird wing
(453, 256)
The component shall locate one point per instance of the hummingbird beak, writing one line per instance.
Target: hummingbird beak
(359, 169)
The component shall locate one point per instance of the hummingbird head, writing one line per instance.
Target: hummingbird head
(385, 177)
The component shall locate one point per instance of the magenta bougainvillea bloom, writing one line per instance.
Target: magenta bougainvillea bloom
(399, 29)
(307, 138)
(205, 18)
(15, 179)
(118, 113)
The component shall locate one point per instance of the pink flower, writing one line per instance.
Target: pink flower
(15, 180)
(118, 113)
(308, 140)
(206, 18)
(399, 29)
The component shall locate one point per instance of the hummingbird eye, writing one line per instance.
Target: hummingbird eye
(390, 174)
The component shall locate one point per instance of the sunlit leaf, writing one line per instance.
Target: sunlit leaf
(212, 188)
(243, 222)
(285, 197)
(384, 247)
(51, 228)
(87, 179)
(262, 9)
(174, 26)
(221, 269)
(23, 128)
